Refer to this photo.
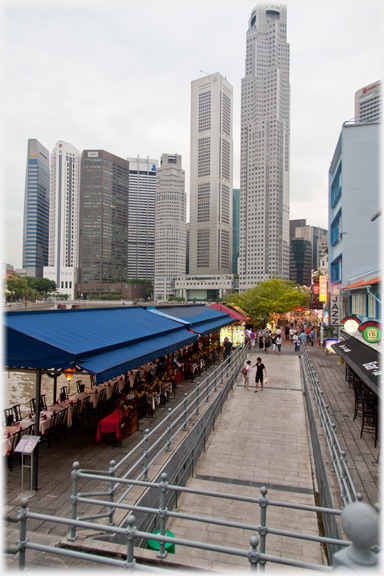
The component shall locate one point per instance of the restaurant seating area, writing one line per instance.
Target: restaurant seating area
(366, 405)
(118, 403)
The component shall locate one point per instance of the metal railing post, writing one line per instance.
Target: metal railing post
(263, 528)
(163, 512)
(146, 441)
(185, 410)
(215, 386)
(169, 430)
(253, 553)
(22, 516)
(112, 490)
(207, 389)
(129, 536)
(75, 476)
(197, 398)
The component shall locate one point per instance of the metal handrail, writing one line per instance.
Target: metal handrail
(338, 456)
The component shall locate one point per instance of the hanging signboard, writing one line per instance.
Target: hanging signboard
(351, 324)
(371, 331)
(336, 309)
(323, 289)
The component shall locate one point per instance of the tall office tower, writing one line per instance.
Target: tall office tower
(368, 103)
(211, 176)
(141, 218)
(187, 251)
(170, 225)
(64, 212)
(265, 143)
(36, 210)
(236, 230)
(104, 220)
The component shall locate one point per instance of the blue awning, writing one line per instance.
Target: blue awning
(104, 341)
(201, 319)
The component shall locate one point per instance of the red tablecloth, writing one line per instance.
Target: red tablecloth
(178, 378)
(108, 425)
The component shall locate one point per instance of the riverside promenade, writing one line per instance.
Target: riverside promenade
(259, 440)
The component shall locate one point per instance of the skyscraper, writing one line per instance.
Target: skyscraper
(64, 212)
(265, 144)
(36, 210)
(236, 230)
(141, 219)
(211, 181)
(170, 225)
(104, 220)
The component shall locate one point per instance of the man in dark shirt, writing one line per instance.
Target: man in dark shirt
(260, 369)
(227, 349)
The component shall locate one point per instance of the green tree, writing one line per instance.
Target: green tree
(276, 296)
(148, 292)
(42, 285)
(17, 286)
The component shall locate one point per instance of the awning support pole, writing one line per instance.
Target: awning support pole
(35, 453)
(54, 389)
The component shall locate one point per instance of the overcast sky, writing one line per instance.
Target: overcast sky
(117, 76)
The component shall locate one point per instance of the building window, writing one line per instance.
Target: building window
(336, 187)
(336, 229)
(336, 270)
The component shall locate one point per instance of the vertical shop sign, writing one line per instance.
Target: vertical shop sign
(336, 309)
(323, 289)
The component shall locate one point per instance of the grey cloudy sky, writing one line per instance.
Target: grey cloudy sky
(117, 76)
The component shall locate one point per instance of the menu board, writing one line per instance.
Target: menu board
(27, 445)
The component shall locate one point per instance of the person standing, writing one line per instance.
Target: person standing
(247, 375)
(259, 373)
(278, 331)
(296, 341)
(260, 337)
(311, 336)
(303, 338)
(279, 342)
(252, 337)
(286, 332)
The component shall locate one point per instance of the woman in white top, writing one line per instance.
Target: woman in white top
(247, 375)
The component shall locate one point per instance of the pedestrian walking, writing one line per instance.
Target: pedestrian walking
(273, 342)
(261, 341)
(252, 337)
(278, 331)
(260, 374)
(246, 371)
(279, 342)
(287, 332)
(292, 332)
(303, 338)
(296, 341)
(267, 342)
(227, 349)
(311, 336)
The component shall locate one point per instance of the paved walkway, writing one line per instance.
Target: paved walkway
(260, 440)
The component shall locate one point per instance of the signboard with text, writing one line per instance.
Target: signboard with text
(336, 309)
(323, 288)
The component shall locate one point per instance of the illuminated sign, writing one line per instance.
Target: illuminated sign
(315, 288)
(323, 289)
(371, 331)
(351, 324)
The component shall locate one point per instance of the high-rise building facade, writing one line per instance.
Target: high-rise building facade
(170, 226)
(104, 220)
(211, 181)
(141, 219)
(36, 210)
(368, 103)
(265, 147)
(236, 230)
(64, 213)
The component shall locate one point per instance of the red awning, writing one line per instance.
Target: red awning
(362, 283)
(229, 311)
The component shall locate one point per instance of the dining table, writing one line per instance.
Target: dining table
(113, 423)
(94, 392)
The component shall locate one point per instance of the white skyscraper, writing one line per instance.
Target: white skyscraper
(170, 225)
(265, 146)
(211, 181)
(141, 217)
(368, 103)
(63, 249)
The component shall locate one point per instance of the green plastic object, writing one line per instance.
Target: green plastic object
(155, 545)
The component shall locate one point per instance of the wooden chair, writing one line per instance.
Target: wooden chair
(84, 410)
(370, 418)
(52, 430)
(102, 400)
(358, 388)
(30, 430)
(16, 413)
(11, 454)
(61, 424)
(76, 414)
(8, 417)
(80, 386)
(64, 393)
(43, 404)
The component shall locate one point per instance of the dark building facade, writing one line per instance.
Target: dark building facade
(104, 220)
(36, 210)
(300, 261)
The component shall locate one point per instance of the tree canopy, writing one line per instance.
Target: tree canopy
(42, 285)
(276, 296)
